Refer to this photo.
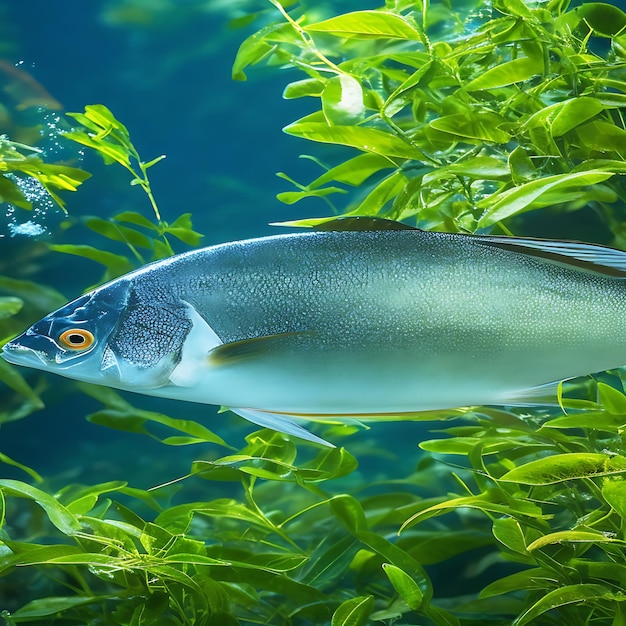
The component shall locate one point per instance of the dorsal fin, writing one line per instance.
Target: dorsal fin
(362, 222)
(585, 256)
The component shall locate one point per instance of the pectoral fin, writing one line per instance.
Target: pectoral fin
(281, 423)
(256, 347)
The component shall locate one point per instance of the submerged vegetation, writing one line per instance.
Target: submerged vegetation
(455, 119)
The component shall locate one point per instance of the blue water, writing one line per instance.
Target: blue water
(164, 70)
(167, 77)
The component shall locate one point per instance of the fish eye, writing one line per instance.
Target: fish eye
(76, 339)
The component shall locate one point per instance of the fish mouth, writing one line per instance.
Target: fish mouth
(20, 355)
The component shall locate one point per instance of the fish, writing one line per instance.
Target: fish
(359, 319)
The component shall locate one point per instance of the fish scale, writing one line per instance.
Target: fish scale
(345, 323)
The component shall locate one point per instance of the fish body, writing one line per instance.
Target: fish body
(345, 324)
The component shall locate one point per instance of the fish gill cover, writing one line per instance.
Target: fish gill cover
(500, 117)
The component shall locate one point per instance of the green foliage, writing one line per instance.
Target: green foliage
(19, 160)
(460, 118)
(110, 139)
(463, 118)
(293, 549)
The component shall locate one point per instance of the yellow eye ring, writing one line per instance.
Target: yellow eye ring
(76, 339)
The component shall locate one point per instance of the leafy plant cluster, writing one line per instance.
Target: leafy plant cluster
(460, 119)
(542, 501)
(20, 160)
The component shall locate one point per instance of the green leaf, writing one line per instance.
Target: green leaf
(440, 616)
(108, 131)
(63, 519)
(291, 197)
(257, 47)
(605, 19)
(54, 606)
(521, 166)
(602, 137)
(182, 228)
(382, 193)
(342, 101)
(259, 466)
(614, 492)
(480, 167)
(514, 7)
(349, 511)
(117, 232)
(83, 500)
(593, 420)
(534, 578)
(509, 72)
(11, 193)
(396, 556)
(561, 467)
(115, 263)
(366, 25)
(111, 153)
(491, 501)
(522, 198)
(9, 306)
(464, 445)
(179, 517)
(612, 400)
(600, 570)
(31, 472)
(365, 139)
(353, 612)
(328, 563)
(301, 88)
(573, 536)
(479, 126)
(573, 113)
(132, 217)
(134, 420)
(121, 415)
(508, 531)
(569, 594)
(22, 553)
(395, 101)
(354, 171)
(11, 377)
(38, 297)
(404, 585)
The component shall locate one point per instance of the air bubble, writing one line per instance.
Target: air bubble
(27, 229)
(21, 223)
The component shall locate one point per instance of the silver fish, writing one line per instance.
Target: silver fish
(345, 324)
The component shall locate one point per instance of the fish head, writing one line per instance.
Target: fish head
(71, 341)
(114, 336)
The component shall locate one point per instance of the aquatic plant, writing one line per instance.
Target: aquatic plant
(460, 121)
(19, 160)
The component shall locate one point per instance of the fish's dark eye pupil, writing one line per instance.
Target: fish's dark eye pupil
(75, 339)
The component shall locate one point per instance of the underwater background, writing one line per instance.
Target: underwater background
(164, 69)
